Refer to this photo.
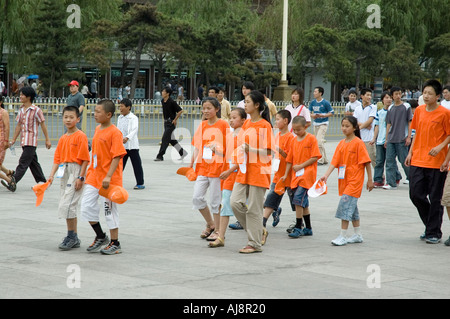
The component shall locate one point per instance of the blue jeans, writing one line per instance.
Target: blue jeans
(379, 167)
(394, 150)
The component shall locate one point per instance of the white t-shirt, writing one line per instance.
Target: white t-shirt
(362, 115)
(298, 111)
(445, 104)
(351, 106)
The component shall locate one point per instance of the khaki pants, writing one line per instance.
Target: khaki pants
(371, 149)
(319, 132)
(250, 217)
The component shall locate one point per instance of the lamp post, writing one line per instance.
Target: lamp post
(283, 92)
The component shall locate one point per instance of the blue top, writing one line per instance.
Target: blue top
(380, 120)
(322, 107)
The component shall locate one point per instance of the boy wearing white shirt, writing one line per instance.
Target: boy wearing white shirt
(352, 104)
(366, 114)
(128, 124)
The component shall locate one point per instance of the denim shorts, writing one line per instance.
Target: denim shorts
(300, 197)
(347, 208)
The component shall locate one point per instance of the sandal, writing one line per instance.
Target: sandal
(214, 235)
(264, 236)
(208, 231)
(11, 186)
(249, 250)
(11, 173)
(219, 242)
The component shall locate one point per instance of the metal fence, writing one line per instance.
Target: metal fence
(149, 113)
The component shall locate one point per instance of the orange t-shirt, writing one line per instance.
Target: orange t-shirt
(206, 134)
(351, 156)
(432, 128)
(284, 142)
(231, 146)
(106, 145)
(72, 148)
(300, 152)
(257, 135)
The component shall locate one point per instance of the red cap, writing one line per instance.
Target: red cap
(74, 83)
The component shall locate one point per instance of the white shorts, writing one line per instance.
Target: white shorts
(69, 198)
(201, 186)
(90, 209)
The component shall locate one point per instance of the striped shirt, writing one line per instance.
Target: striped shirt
(29, 120)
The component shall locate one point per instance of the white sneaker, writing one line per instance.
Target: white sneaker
(356, 238)
(406, 181)
(389, 187)
(339, 241)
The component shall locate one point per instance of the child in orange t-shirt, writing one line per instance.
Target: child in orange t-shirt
(351, 158)
(105, 170)
(283, 142)
(428, 162)
(302, 164)
(70, 162)
(228, 176)
(209, 149)
(255, 140)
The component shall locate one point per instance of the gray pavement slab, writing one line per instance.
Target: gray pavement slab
(164, 257)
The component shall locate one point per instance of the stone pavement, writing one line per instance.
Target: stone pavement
(164, 257)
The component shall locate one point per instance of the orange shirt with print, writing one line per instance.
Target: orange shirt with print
(205, 135)
(107, 144)
(300, 152)
(432, 128)
(232, 141)
(72, 148)
(351, 156)
(257, 135)
(284, 142)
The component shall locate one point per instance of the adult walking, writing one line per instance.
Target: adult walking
(171, 112)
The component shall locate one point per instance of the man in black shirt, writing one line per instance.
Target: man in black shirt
(171, 113)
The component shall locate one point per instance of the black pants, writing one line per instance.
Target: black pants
(167, 139)
(29, 159)
(137, 165)
(426, 186)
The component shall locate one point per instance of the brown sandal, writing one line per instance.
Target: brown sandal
(219, 242)
(208, 231)
(249, 250)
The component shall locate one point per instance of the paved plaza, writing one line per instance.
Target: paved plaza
(164, 257)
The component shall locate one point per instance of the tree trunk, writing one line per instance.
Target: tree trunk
(137, 66)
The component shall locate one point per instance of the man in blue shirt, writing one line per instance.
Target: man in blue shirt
(320, 110)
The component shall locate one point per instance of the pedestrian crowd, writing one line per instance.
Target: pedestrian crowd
(245, 163)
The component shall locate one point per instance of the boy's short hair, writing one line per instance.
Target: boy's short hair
(414, 104)
(108, 106)
(127, 103)
(285, 114)
(447, 87)
(249, 85)
(365, 90)
(435, 84)
(168, 90)
(28, 91)
(395, 89)
(299, 120)
(320, 89)
(71, 108)
(215, 88)
(352, 92)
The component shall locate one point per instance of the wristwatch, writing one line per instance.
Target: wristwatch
(81, 178)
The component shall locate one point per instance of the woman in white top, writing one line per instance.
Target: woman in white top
(128, 124)
(297, 108)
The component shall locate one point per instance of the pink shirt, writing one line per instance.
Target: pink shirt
(29, 120)
(300, 110)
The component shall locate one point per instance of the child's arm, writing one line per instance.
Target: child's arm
(226, 173)
(194, 156)
(436, 150)
(52, 172)
(388, 127)
(5, 119)
(327, 173)
(16, 133)
(375, 134)
(308, 162)
(408, 157)
(444, 165)
(286, 172)
(114, 164)
(48, 144)
(79, 182)
(369, 176)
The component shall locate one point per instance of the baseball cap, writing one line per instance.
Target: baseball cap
(74, 83)
(39, 190)
(114, 193)
(319, 188)
(188, 172)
